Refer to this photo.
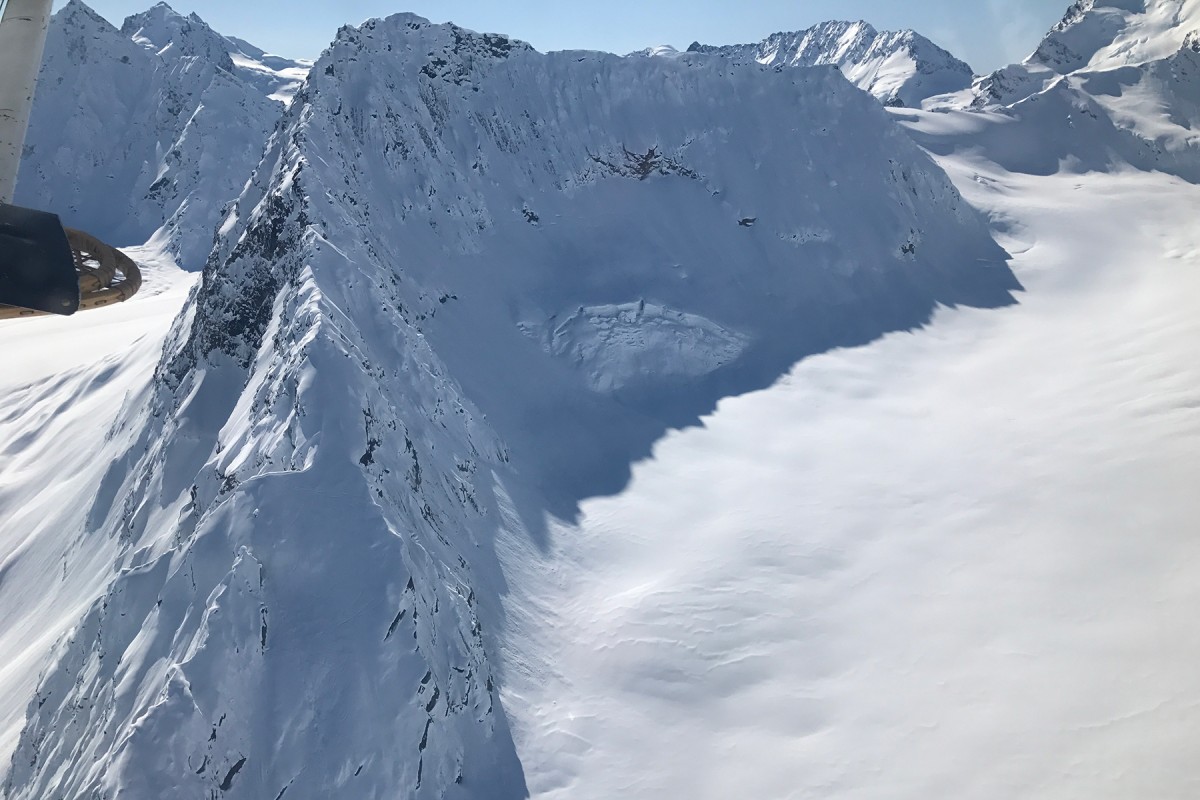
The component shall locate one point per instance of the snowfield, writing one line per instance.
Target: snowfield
(956, 562)
(575, 426)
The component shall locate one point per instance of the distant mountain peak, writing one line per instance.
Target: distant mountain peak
(184, 117)
(1096, 35)
(659, 51)
(163, 30)
(1112, 84)
(76, 10)
(897, 67)
(173, 35)
(1115, 33)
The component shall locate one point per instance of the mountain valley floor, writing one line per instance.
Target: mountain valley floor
(958, 562)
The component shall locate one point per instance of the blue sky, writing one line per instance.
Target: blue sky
(986, 33)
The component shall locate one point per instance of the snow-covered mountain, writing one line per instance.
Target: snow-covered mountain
(370, 528)
(1097, 36)
(147, 131)
(901, 68)
(467, 286)
(1112, 83)
(174, 36)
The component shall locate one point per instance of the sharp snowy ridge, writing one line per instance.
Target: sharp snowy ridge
(174, 37)
(901, 68)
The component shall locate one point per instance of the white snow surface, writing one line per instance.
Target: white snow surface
(279, 77)
(511, 444)
(900, 68)
(1113, 86)
(63, 383)
(959, 562)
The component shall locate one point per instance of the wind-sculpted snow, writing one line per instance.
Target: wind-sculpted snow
(147, 132)
(442, 307)
(901, 68)
(276, 76)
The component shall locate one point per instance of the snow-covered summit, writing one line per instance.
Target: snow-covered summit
(146, 132)
(1097, 36)
(1112, 84)
(657, 51)
(898, 67)
(468, 285)
(1102, 35)
(171, 35)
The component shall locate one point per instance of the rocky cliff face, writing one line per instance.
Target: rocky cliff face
(146, 131)
(901, 68)
(467, 286)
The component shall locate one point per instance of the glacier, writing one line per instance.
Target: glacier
(571, 425)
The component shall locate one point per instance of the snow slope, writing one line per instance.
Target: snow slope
(1113, 86)
(66, 384)
(430, 313)
(144, 134)
(1097, 36)
(959, 562)
(901, 68)
(276, 76)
